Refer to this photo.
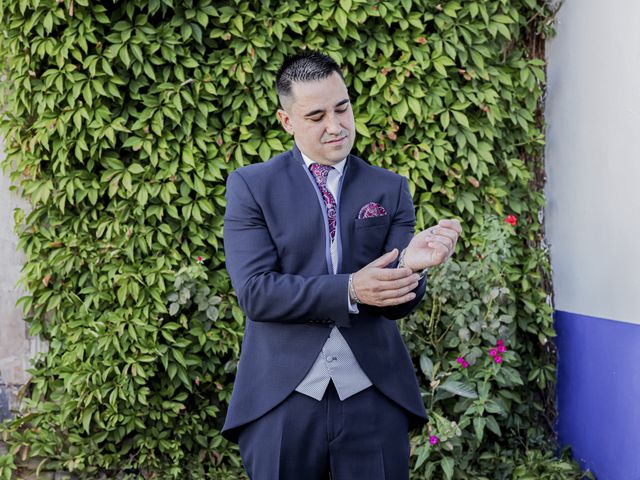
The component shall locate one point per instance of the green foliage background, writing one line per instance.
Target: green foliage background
(121, 122)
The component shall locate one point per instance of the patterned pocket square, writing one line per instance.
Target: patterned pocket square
(372, 209)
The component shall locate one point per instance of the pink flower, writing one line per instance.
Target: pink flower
(499, 342)
(497, 359)
(502, 349)
(433, 440)
(511, 220)
(463, 363)
(493, 352)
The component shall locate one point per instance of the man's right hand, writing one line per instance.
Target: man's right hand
(383, 287)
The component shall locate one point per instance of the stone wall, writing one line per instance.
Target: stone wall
(16, 347)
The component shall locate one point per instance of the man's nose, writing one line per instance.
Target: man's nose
(333, 125)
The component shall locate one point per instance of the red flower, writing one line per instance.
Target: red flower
(200, 260)
(511, 220)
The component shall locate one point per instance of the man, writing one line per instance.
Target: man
(312, 240)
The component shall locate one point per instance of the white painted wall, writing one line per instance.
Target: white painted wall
(593, 158)
(16, 348)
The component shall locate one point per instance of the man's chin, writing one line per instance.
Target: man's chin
(337, 158)
(338, 151)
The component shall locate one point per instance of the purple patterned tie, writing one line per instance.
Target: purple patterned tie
(321, 172)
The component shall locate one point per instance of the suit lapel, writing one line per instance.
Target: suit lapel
(309, 192)
(346, 206)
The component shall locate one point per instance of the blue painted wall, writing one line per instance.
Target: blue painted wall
(599, 394)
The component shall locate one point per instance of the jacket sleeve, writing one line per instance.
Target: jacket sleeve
(400, 234)
(265, 294)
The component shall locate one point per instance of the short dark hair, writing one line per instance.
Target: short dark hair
(304, 67)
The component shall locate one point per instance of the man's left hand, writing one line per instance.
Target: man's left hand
(433, 246)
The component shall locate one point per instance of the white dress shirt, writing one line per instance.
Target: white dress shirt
(336, 361)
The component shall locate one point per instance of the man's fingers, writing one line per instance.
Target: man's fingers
(439, 248)
(452, 224)
(445, 233)
(391, 274)
(449, 233)
(445, 241)
(398, 300)
(385, 259)
(393, 285)
(397, 292)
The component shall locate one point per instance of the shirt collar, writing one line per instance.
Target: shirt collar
(338, 166)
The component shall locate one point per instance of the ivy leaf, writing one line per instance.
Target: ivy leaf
(123, 53)
(400, 110)
(179, 357)
(414, 105)
(445, 118)
(362, 129)
(86, 418)
(346, 5)
(341, 17)
(461, 118)
(136, 168)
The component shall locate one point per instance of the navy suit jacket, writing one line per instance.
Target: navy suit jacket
(277, 255)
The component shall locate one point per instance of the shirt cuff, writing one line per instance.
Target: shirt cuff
(353, 306)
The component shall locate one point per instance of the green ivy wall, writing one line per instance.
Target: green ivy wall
(121, 123)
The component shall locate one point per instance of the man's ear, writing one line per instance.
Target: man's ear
(285, 120)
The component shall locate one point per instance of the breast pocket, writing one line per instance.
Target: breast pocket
(382, 220)
(369, 237)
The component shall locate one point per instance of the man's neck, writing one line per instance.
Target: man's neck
(338, 166)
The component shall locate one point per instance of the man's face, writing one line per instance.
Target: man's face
(319, 116)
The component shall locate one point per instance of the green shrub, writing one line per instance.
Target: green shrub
(121, 123)
(7, 466)
(472, 370)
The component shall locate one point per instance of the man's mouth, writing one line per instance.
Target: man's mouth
(337, 140)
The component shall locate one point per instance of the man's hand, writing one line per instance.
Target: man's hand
(383, 287)
(432, 246)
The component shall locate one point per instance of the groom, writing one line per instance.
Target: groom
(321, 253)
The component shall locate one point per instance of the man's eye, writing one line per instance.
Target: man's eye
(341, 110)
(315, 119)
